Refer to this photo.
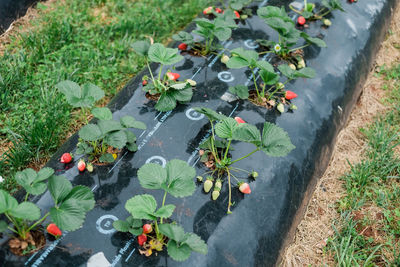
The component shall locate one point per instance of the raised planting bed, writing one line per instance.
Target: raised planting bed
(10, 10)
(259, 223)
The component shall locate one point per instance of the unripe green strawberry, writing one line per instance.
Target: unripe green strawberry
(280, 108)
(244, 16)
(292, 66)
(280, 85)
(301, 64)
(215, 194)
(199, 179)
(89, 167)
(327, 22)
(293, 107)
(218, 185)
(191, 82)
(224, 59)
(208, 184)
(254, 174)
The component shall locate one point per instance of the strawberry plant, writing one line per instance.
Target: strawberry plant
(273, 141)
(80, 97)
(68, 213)
(310, 12)
(99, 140)
(289, 36)
(164, 87)
(270, 92)
(209, 32)
(175, 179)
(241, 7)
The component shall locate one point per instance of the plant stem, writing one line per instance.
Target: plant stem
(295, 10)
(230, 193)
(151, 73)
(159, 73)
(297, 48)
(265, 52)
(163, 203)
(227, 149)
(255, 83)
(215, 154)
(38, 222)
(248, 155)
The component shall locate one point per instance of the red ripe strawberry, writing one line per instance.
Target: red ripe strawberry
(81, 165)
(237, 14)
(66, 158)
(218, 10)
(301, 20)
(147, 228)
(239, 120)
(173, 76)
(182, 46)
(54, 230)
(144, 83)
(244, 188)
(290, 95)
(142, 239)
(208, 10)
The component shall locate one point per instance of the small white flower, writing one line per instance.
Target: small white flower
(1, 179)
(277, 47)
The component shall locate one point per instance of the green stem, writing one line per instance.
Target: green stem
(295, 10)
(26, 197)
(230, 193)
(151, 73)
(227, 149)
(163, 203)
(297, 48)
(159, 73)
(38, 222)
(255, 83)
(248, 155)
(265, 52)
(214, 152)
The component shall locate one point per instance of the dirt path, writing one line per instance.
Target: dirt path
(314, 230)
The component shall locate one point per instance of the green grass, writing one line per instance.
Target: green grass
(83, 41)
(369, 232)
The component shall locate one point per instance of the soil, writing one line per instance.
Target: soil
(269, 104)
(152, 97)
(20, 247)
(307, 248)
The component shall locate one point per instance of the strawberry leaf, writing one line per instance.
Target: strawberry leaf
(210, 114)
(269, 78)
(226, 127)
(196, 243)
(166, 102)
(172, 231)
(59, 188)
(69, 216)
(241, 91)
(183, 95)
(142, 207)
(242, 58)
(7, 202)
(317, 41)
(121, 226)
(183, 37)
(83, 195)
(180, 175)
(152, 176)
(131, 122)
(275, 141)
(163, 55)
(141, 47)
(3, 226)
(247, 133)
(130, 137)
(116, 139)
(165, 212)
(178, 253)
(90, 132)
(26, 211)
(107, 126)
(107, 157)
(102, 113)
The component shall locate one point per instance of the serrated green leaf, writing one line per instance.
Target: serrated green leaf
(196, 243)
(44, 174)
(241, 91)
(269, 78)
(163, 55)
(242, 58)
(225, 128)
(107, 157)
(116, 139)
(183, 37)
(180, 178)
(72, 92)
(26, 211)
(7, 202)
(247, 133)
(317, 41)
(286, 71)
(166, 102)
(305, 73)
(141, 47)
(121, 226)
(31, 181)
(59, 188)
(178, 253)
(69, 216)
(264, 65)
(210, 114)
(102, 113)
(142, 207)
(90, 94)
(183, 95)
(275, 141)
(152, 176)
(130, 137)
(107, 126)
(90, 132)
(172, 231)
(179, 86)
(165, 212)
(132, 147)
(222, 34)
(83, 195)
